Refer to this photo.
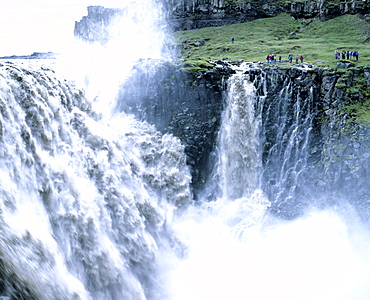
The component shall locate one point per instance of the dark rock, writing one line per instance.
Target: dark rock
(345, 65)
(180, 102)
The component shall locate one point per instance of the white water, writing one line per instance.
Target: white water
(100, 69)
(86, 198)
(237, 250)
(322, 255)
(80, 203)
(239, 161)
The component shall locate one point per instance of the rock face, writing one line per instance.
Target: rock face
(186, 14)
(304, 125)
(95, 26)
(312, 142)
(180, 102)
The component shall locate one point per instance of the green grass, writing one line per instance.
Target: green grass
(315, 40)
(196, 65)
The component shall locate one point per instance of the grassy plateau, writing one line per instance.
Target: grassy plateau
(281, 35)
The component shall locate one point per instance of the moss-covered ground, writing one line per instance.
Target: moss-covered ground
(281, 35)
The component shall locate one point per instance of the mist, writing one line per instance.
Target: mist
(28, 26)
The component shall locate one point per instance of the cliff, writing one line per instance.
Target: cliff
(96, 25)
(330, 129)
(180, 101)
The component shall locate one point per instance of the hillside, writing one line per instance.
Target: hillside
(281, 35)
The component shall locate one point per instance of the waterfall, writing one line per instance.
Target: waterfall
(239, 161)
(114, 47)
(87, 196)
(237, 247)
(287, 121)
(85, 203)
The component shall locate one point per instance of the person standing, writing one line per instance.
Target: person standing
(355, 54)
(301, 58)
(296, 58)
(336, 52)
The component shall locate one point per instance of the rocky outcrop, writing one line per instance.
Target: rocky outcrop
(186, 14)
(34, 55)
(95, 26)
(325, 10)
(180, 101)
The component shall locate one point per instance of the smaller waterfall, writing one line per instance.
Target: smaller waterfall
(287, 120)
(239, 161)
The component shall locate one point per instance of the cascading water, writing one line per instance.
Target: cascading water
(84, 203)
(288, 147)
(237, 248)
(239, 161)
(86, 197)
(136, 33)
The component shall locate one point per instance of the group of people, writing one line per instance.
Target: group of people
(346, 54)
(271, 58)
